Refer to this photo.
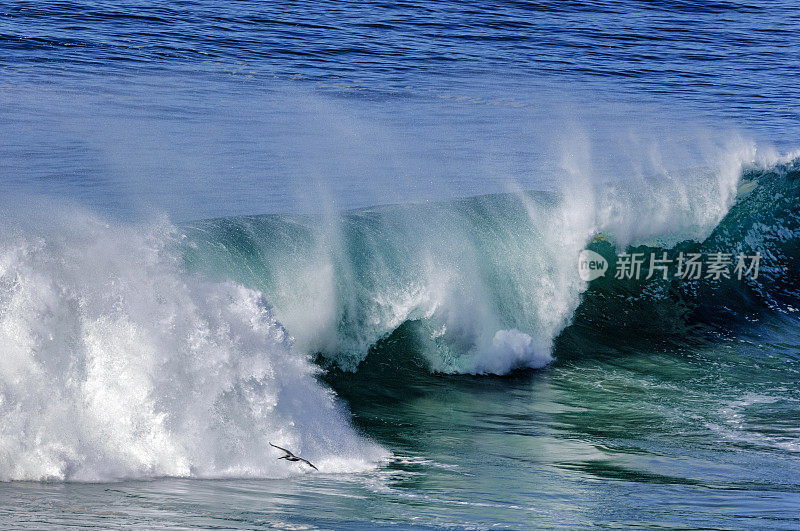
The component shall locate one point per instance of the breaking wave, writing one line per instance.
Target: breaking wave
(139, 351)
(486, 283)
(118, 364)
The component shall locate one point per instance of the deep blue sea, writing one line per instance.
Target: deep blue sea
(354, 230)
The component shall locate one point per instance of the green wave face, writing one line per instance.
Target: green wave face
(472, 274)
(764, 221)
(488, 284)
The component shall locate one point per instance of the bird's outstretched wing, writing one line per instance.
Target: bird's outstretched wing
(284, 449)
(306, 461)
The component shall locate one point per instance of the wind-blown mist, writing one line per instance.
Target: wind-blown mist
(142, 350)
(353, 230)
(488, 282)
(288, 149)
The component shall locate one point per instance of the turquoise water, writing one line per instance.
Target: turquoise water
(614, 439)
(353, 230)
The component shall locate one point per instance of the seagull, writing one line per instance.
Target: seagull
(291, 457)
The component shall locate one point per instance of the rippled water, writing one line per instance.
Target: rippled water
(129, 107)
(207, 109)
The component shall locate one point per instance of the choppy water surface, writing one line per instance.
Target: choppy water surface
(352, 229)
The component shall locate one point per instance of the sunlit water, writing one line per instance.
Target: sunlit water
(205, 109)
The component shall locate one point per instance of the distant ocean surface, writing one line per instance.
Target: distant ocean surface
(352, 229)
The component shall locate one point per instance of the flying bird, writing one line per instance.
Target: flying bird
(291, 457)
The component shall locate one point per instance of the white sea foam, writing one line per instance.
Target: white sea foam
(117, 364)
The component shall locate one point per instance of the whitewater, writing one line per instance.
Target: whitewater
(354, 229)
(146, 350)
(118, 364)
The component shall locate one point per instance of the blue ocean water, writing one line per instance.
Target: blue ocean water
(352, 229)
(126, 106)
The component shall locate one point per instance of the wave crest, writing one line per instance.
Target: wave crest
(490, 280)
